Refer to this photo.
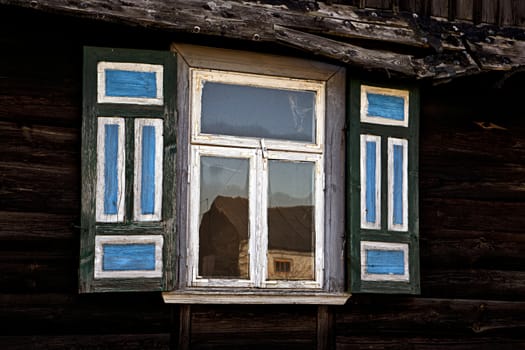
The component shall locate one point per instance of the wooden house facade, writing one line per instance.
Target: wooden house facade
(466, 59)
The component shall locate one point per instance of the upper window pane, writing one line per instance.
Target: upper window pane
(250, 111)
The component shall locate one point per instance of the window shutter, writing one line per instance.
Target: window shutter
(128, 171)
(383, 189)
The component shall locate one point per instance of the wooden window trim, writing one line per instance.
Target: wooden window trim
(190, 56)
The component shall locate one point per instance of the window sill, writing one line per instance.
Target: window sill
(254, 297)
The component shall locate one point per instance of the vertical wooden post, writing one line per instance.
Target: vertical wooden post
(477, 12)
(395, 6)
(452, 9)
(325, 328)
(184, 327)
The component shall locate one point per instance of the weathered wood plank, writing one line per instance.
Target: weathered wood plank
(291, 327)
(440, 8)
(473, 215)
(388, 342)
(32, 187)
(380, 316)
(445, 249)
(35, 226)
(37, 144)
(370, 59)
(325, 328)
(473, 284)
(464, 9)
(498, 53)
(91, 341)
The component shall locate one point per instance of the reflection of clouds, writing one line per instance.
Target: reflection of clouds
(249, 111)
(299, 113)
(290, 183)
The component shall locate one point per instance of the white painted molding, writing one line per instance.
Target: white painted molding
(131, 67)
(386, 246)
(157, 240)
(383, 91)
(121, 170)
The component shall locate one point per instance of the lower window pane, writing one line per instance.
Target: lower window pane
(291, 226)
(223, 229)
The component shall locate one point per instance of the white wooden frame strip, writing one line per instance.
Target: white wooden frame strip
(404, 94)
(121, 167)
(386, 246)
(404, 144)
(158, 240)
(194, 197)
(200, 76)
(319, 251)
(364, 156)
(137, 188)
(132, 67)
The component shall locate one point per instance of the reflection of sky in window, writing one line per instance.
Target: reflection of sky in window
(222, 177)
(258, 112)
(290, 183)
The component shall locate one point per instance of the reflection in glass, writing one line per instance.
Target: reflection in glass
(291, 226)
(251, 111)
(223, 231)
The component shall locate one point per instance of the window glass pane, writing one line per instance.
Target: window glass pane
(250, 111)
(291, 226)
(223, 229)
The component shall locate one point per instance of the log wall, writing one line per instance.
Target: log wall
(499, 12)
(472, 245)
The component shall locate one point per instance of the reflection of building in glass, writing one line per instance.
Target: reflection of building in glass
(223, 250)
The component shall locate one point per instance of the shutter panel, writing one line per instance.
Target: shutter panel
(383, 189)
(128, 171)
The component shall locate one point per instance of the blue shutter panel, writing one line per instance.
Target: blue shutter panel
(128, 166)
(382, 193)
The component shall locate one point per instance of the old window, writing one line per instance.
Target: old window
(256, 179)
(221, 176)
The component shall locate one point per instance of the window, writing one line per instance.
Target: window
(222, 176)
(256, 179)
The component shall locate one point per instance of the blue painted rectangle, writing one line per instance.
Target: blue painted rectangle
(111, 132)
(371, 181)
(386, 106)
(122, 83)
(398, 185)
(385, 262)
(128, 257)
(147, 196)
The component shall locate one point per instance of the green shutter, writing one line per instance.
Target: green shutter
(383, 215)
(128, 171)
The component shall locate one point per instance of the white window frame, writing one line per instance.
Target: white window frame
(199, 76)
(259, 151)
(330, 288)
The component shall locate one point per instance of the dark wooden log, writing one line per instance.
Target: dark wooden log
(499, 53)
(82, 341)
(28, 226)
(427, 343)
(473, 215)
(37, 144)
(31, 187)
(386, 316)
(371, 59)
(450, 249)
(70, 314)
(257, 22)
(473, 284)
(286, 327)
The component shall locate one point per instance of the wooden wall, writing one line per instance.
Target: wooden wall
(500, 12)
(472, 220)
